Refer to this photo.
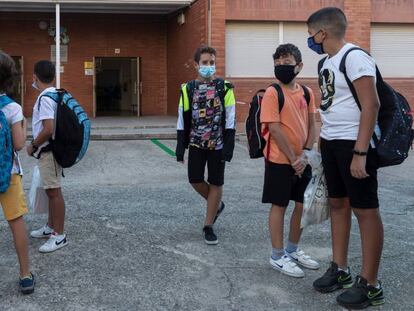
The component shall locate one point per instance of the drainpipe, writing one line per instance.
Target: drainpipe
(209, 23)
(57, 26)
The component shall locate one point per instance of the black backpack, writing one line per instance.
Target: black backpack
(72, 129)
(395, 119)
(255, 140)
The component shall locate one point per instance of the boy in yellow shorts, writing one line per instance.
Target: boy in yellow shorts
(12, 198)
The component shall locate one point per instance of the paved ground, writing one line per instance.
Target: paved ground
(134, 228)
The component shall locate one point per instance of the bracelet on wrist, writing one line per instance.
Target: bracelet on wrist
(360, 153)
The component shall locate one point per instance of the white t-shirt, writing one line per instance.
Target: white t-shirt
(14, 114)
(46, 112)
(340, 114)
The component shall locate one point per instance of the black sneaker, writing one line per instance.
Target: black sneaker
(27, 284)
(333, 279)
(361, 295)
(209, 235)
(220, 210)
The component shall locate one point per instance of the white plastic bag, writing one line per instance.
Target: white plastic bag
(38, 200)
(315, 203)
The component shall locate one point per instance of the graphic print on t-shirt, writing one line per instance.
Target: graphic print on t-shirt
(206, 130)
(327, 86)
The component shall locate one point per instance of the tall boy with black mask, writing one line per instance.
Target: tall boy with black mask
(288, 131)
(349, 158)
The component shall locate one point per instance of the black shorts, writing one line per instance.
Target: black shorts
(336, 159)
(197, 160)
(282, 185)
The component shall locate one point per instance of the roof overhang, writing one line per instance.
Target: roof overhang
(161, 7)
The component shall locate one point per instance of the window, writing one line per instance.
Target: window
(392, 46)
(250, 46)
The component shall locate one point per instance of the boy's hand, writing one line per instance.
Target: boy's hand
(299, 164)
(358, 167)
(30, 149)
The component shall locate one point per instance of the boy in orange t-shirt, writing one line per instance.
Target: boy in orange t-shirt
(288, 132)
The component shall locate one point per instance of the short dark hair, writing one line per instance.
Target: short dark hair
(286, 50)
(45, 71)
(204, 50)
(331, 18)
(8, 73)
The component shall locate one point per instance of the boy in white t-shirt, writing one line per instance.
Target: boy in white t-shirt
(13, 201)
(51, 172)
(349, 158)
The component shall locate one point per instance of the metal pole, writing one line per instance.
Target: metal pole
(58, 45)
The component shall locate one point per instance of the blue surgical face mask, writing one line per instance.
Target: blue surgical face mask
(207, 71)
(316, 47)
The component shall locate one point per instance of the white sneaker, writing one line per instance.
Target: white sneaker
(43, 233)
(304, 260)
(54, 243)
(287, 266)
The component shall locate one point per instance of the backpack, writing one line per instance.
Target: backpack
(395, 119)
(6, 147)
(72, 129)
(255, 139)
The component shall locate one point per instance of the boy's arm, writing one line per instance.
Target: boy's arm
(311, 131)
(366, 90)
(277, 134)
(19, 134)
(180, 149)
(44, 136)
(230, 130)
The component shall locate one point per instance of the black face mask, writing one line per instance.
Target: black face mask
(285, 73)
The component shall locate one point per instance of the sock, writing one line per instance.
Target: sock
(277, 253)
(345, 270)
(378, 286)
(26, 277)
(291, 247)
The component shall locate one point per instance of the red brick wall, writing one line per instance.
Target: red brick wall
(276, 10)
(182, 41)
(92, 35)
(358, 14)
(218, 33)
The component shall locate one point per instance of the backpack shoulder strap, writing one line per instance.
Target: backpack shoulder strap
(306, 94)
(5, 100)
(280, 96)
(342, 68)
(320, 64)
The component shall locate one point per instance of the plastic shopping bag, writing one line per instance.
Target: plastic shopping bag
(38, 200)
(315, 204)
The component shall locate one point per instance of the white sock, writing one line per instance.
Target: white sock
(345, 270)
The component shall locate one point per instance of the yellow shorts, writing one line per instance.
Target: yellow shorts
(50, 171)
(13, 201)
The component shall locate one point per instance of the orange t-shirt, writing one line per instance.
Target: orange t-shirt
(293, 119)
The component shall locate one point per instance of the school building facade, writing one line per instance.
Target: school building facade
(129, 57)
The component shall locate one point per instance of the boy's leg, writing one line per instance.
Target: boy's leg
(340, 230)
(202, 188)
(214, 198)
(18, 229)
(57, 206)
(295, 231)
(372, 238)
(276, 224)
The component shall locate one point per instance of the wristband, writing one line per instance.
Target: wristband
(359, 153)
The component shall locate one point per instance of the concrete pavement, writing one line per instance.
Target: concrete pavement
(135, 243)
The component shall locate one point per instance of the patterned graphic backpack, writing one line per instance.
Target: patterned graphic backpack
(6, 147)
(72, 131)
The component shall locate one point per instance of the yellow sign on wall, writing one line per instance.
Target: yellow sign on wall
(88, 65)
